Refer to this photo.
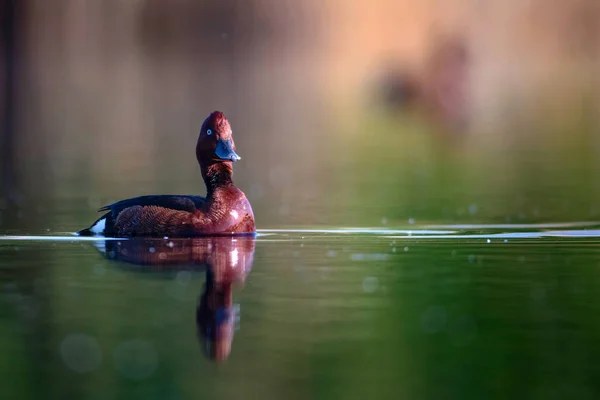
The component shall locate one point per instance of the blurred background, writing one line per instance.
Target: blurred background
(344, 112)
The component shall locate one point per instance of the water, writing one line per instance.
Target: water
(427, 271)
(446, 311)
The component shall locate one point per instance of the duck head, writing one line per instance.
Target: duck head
(215, 142)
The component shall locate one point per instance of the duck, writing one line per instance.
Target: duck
(224, 211)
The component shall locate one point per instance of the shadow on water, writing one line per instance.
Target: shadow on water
(226, 261)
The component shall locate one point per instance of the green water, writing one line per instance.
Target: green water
(441, 308)
(442, 313)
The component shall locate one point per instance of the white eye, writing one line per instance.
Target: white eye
(209, 132)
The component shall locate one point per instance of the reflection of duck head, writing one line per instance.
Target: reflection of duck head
(226, 260)
(216, 317)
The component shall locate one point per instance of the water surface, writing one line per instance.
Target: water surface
(445, 311)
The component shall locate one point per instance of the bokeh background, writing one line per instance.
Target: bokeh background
(345, 113)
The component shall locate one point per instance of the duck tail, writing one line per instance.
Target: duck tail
(84, 232)
(97, 228)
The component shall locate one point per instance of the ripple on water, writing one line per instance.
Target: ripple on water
(454, 231)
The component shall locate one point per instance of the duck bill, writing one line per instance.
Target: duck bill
(225, 152)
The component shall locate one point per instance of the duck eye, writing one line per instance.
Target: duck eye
(209, 132)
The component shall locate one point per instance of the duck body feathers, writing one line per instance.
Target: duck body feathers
(175, 216)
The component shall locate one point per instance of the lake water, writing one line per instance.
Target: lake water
(404, 267)
(438, 311)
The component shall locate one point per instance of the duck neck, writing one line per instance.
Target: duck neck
(217, 175)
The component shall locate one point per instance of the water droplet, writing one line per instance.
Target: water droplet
(80, 352)
(99, 269)
(135, 359)
(183, 277)
(370, 284)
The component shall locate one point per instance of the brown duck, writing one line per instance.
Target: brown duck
(225, 210)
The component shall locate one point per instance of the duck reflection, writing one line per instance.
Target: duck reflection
(226, 260)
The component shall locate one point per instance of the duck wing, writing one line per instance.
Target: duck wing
(151, 220)
(152, 215)
(173, 202)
